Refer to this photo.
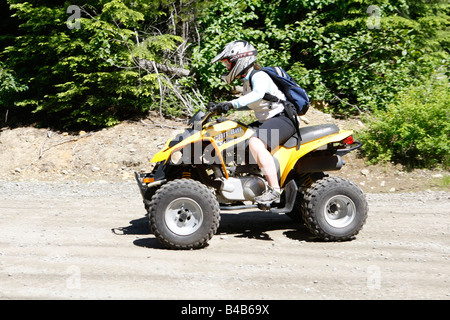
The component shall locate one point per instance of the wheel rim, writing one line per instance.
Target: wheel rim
(183, 216)
(339, 211)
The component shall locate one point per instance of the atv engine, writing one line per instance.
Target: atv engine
(241, 188)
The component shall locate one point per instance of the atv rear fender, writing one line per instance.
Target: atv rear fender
(288, 159)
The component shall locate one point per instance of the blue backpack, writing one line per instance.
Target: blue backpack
(293, 92)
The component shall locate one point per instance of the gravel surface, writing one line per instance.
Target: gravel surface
(129, 189)
(80, 240)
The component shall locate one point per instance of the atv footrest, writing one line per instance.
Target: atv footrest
(290, 195)
(239, 207)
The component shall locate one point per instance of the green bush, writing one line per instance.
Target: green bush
(91, 76)
(117, 64)
(413, 131)
(8, 86)
(334, 49)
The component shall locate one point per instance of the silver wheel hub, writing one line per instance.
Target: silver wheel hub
(183, 216)
(339, 211)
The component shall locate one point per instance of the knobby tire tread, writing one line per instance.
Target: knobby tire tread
(176, 185)
(317, 189)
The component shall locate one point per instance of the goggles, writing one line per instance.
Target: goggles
(226, 62)
(229, 62)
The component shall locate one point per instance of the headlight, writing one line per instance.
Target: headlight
(176, 156)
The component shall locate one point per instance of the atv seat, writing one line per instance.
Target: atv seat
(311, 133)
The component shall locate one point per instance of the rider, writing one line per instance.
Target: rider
(274, 126)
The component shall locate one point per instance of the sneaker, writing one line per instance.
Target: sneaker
(268, 196)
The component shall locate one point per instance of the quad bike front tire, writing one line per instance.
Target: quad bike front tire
(335, 209)
(184, 214)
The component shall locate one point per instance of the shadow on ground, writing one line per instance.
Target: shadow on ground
(244, 224)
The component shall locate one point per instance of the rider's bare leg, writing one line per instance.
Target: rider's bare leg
(265, 161)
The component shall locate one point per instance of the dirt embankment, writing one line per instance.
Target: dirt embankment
(114, 154)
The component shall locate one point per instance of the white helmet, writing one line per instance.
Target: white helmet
(237, 57)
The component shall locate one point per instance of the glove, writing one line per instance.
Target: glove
(221, 107)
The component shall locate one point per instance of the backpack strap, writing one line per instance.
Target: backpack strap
(289, 108)
(267, 96)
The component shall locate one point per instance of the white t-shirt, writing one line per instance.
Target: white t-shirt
(261, 84)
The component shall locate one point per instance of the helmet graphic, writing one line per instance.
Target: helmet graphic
(237, 57)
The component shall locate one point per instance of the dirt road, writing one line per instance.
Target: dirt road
(73, 240)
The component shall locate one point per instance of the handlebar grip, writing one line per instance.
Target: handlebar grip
(211, 105)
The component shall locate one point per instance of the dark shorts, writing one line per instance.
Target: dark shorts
(275, 131)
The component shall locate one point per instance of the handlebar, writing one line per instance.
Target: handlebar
(200, 118)
(208, 115)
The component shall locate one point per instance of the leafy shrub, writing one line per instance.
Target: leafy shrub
(413, 131)
(92, 76)
(330, 47)
(8, 85)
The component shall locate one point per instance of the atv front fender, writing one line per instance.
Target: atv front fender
(165, 154)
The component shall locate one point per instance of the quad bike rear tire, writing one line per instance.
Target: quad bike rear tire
(184, 214)
(335, 209)
(297, 212)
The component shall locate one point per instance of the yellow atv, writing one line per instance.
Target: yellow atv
(208, 168)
